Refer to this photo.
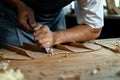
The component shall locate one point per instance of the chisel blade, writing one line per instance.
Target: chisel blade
(47, 50)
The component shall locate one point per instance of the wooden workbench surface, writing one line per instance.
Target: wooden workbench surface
(102, 64)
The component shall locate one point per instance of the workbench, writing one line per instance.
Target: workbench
(103, 64)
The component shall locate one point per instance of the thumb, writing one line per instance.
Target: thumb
(32, 21)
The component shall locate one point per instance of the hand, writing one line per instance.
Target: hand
(26, 17)
(43, 35)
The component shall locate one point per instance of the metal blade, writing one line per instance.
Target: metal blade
(47, 50)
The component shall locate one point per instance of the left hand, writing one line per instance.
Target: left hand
(26, 17)
(43, 35)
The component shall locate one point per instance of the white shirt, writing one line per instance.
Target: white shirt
(90, 12)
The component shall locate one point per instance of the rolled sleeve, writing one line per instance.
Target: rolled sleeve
(90, 12)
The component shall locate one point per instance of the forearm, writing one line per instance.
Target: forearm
(79, 33)
(15, 4)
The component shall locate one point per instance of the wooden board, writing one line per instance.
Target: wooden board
(111, 45)
(7, 54)
(82, 65)
(32, 51)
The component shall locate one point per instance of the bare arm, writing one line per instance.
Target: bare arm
(78, 33)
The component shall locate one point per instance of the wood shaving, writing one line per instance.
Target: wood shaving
(69, 77)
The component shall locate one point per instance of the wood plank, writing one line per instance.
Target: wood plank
(86, 45)
(109, 46)
(18, 50)
(82, 65)
(54, 67)
(33, 47)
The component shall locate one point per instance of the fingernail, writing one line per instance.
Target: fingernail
(38, 27)
(33, 25)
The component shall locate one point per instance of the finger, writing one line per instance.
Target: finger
(39, 32)
(45, 28)
(43, 40)
(38, 27)
(26, 25)
(33, 25)
(46, 44)
(32, 20)
(36, 33)
(40, 36)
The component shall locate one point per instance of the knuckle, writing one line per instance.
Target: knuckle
(39, 41)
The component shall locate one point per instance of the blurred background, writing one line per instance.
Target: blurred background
(111, 18)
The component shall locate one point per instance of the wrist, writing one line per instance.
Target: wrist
(55, 38)
(58, 37)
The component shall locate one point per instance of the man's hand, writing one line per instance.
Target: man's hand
(43, 35)
(26, 17)
(25, 13)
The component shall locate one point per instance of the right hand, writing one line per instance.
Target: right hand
(43, 35)
(26, 17)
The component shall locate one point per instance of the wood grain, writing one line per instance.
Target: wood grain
(18, 50)
(81, 65)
